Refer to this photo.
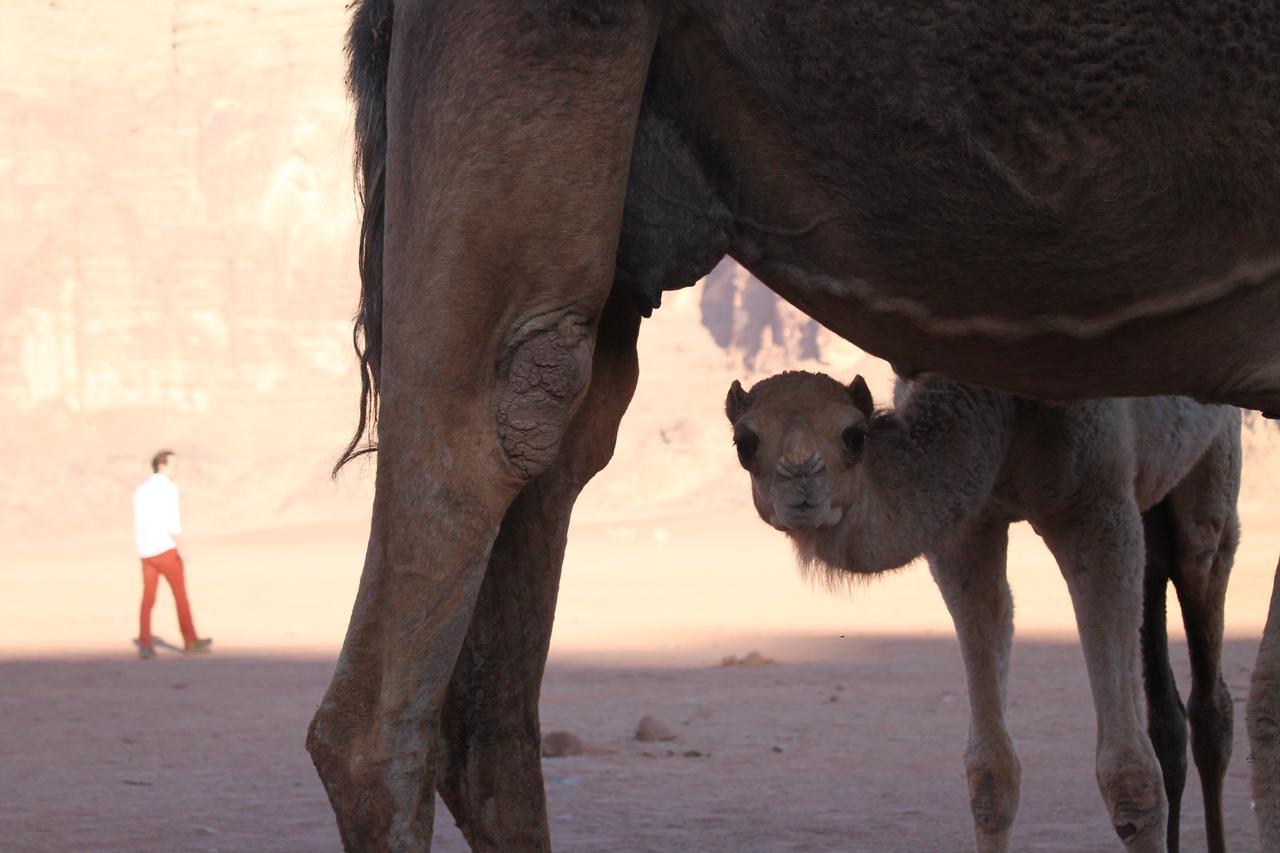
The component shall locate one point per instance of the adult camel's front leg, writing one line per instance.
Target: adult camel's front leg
(1263, 716)
(509, 130)
(492, 779)
(970, 572)
(1101, 555)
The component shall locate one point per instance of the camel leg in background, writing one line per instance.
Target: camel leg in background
(970, 572)
(1166, 717)
(492, 767)
(1263, 716)
(1101, 557)
(509, 136)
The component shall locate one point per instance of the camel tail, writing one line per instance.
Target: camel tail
(368, 57)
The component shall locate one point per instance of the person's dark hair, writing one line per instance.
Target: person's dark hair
(161, 458)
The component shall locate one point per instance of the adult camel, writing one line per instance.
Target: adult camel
(1057, 200)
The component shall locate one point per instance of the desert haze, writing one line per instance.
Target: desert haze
(176, 196)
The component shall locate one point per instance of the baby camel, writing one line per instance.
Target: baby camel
(946, 472)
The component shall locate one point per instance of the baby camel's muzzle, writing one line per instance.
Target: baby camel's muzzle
(802, 493)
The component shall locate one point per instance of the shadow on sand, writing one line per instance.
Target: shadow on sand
(860, 750)
(160, 644)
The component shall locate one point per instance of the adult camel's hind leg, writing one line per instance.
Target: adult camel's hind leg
(1263, 716)
(492, 776)
(1166, 718)
(1101, 554)
(1207, 531)
(509, 133)
(970, 572)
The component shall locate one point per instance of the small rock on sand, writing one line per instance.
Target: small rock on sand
(750, 659)
(700, 712)
(651, 729)
(561, 745)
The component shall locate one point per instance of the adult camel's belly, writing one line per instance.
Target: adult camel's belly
(1058, 204)
(1212, 335)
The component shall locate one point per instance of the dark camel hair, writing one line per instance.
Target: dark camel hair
(944, 474)
(1060, 200)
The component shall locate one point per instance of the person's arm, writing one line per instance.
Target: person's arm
(174, 521)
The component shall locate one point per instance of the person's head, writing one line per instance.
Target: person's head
(163, 463)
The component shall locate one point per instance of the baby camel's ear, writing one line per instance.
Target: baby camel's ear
(735, 405)
(862, 396)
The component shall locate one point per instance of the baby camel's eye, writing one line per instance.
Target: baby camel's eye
(747, 443)
(855, 439)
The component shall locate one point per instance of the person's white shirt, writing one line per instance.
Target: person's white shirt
(155, 516)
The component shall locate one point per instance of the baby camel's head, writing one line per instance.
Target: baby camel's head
(798, 435)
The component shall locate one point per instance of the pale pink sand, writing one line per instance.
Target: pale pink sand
(105, 752)
(662, 590)
(180, 754)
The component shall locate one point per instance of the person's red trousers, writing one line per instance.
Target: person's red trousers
(168, 564)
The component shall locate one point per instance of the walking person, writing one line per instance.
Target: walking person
(155, 523)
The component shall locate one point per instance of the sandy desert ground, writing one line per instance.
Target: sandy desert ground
(179, 271)
(850, 741)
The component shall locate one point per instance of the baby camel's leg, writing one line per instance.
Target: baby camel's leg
(1208, 531)
(970, 571)
(1209, 706)
(1100, 552)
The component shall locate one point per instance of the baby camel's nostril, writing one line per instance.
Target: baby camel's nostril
(812, 464)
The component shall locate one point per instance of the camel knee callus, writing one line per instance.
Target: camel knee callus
(540, 377)
(1136, 802)
(994, 775)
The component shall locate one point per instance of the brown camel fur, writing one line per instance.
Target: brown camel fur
(1062, 200)
(945, 474)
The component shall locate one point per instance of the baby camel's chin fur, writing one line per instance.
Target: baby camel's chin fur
(831, 519)
(834, 575)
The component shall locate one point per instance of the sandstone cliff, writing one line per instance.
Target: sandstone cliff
(178, 256)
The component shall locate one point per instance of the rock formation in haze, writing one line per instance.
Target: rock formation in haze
(176, 197)
(178, 255)
(738, 311)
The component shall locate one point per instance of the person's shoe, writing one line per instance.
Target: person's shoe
(146, 652)
(201, 644)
